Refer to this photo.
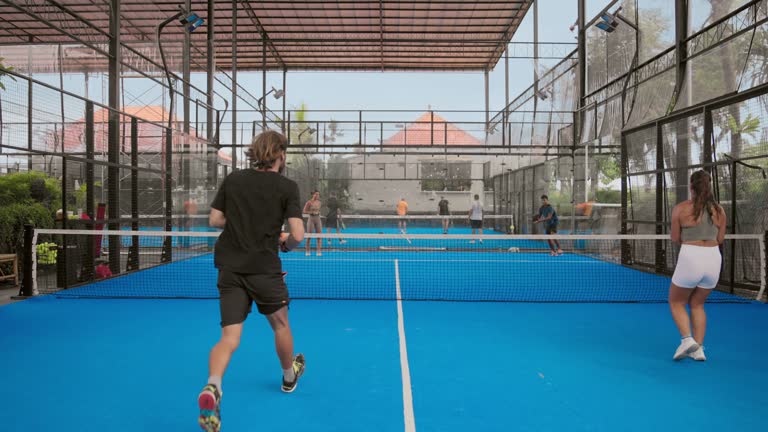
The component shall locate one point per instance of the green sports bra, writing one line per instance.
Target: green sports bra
(704, 230)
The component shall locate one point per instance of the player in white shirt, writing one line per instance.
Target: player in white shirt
(476, 217)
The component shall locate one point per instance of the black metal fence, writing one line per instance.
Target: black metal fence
(150, 176)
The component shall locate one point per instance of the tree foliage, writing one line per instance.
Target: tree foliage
(4, 73)
(30, 187)
(14, 216)
(25, 198)
(313, 171)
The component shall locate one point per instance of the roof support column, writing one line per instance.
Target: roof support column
(234, 85)
(263, 82)
(212, 153)
(186, 90)
(536, 90)
(582, 53)
(682, 127)
(285, 91)
(186, 72)
(113, 132)
(505, 117)
(535, 52)
(487, 106)
(506, 77)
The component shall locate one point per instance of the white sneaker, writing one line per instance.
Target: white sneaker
(698, 355)
(308, 254)
(342, 241)
(319, 254)
(687, 346)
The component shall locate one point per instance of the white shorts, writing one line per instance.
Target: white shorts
(697, 266)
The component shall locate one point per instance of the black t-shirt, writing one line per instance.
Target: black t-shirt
(255, 203)
(333, 207)
(443, 205)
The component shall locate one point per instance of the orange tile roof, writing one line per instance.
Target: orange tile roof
(427, 130)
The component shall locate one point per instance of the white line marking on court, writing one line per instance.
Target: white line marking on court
(410, 422)
(449, 261)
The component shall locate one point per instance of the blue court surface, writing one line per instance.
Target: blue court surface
(80, 364)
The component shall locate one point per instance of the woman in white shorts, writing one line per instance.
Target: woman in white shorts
(699, 224)
(314, 223)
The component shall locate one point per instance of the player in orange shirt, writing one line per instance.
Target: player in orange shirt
(402, 210)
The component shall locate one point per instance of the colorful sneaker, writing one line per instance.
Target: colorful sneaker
(298, 370)
(687, 346)
(210, 409)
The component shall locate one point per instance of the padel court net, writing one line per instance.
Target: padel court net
(495, 267)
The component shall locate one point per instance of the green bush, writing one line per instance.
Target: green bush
(81, 195)
(14, 216)
(608, 196)
(30, 187)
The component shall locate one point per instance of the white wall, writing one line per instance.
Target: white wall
(381, 196)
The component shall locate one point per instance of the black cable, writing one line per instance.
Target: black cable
(165, 65)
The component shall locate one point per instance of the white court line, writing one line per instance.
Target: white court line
(410, 422)
(481, 261)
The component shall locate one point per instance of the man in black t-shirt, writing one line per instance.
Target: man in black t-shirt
(251, 206)
(443, 210)
(333, 220)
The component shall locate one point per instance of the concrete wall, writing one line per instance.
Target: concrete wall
(388, 179)
(371, 196)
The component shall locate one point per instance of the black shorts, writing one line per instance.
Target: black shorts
(476, 224)
(332, 221)
(551, 229)
(237, 291)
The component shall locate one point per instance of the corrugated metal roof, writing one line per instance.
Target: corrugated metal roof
(300, 34)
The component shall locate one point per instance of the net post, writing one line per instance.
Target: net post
(27, 290)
